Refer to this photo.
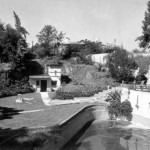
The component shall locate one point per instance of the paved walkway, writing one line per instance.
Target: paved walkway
(45, 97)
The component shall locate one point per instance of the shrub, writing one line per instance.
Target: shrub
(126, 110)
(116, 109)
(19, 87)
(140, 78)
(77, 91)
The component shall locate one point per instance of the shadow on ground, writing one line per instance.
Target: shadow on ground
(8, 113)
(20, 139)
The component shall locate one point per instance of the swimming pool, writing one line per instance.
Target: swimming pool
(110, 135)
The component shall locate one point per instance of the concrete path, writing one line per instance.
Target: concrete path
(46, 99)
(100, 98)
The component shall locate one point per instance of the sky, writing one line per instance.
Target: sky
(105, 20)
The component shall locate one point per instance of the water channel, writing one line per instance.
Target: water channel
(110, 135)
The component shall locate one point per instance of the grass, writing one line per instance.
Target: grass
(34, 128)
(37, 102)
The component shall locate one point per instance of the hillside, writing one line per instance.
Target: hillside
(88, 74)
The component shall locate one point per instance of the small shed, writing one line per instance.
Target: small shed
(51, 80)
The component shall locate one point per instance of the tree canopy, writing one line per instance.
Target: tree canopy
(144, 39)
(18, 26)
(49, 40)
(121, 65)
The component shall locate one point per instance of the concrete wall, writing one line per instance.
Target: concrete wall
(99, 58)
(140, 102)
(69, 128)
(55, 74)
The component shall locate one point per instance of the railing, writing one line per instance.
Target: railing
(140, 87)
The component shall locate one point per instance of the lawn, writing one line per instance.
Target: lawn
(20, 125)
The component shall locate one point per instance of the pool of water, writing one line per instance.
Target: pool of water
(110, 135)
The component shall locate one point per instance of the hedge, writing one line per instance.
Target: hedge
(82, 91)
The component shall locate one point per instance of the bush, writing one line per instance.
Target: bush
(116, 109)
(77, 91)
(140, 78)
(126, 110)
(19, 87)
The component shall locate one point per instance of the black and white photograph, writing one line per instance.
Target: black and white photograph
(74, 74)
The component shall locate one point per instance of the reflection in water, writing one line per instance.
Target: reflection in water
(111, 135)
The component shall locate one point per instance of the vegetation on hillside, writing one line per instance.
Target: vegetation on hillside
(86, 81)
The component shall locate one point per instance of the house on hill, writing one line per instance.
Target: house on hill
(99, 58)
(50, 80)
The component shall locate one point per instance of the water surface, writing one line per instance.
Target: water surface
(111, 135)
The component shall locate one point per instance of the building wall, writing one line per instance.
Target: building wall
(99, 58)
(55, 74)
(38, 87)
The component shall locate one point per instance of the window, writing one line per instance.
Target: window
(37, 83)
(54, 83)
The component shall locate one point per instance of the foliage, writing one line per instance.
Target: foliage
(110, 48)
(10, 89)
(49, 40)
(118, 109)
(18, 26)
(144, 39)
(143, 64)
(126, 110)
(121, 65)
(136, 51)
(9, 38)
(81, 49)
(140, 78)
(77, 91)
(114, 96)
(13, 48)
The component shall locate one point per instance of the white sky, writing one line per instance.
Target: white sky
(80, 19)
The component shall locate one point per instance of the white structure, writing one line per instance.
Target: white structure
(136, 72)
(99, 58)
(140, 102)
(141, 54)
(148, 76)
(51, 80)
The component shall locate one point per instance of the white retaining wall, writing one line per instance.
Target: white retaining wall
(140, 102)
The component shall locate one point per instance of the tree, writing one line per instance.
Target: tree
(8, 43)
(121, 65)
(136, 51)
(82, 48)
(18, 26)
(50, 39)
(144, 39)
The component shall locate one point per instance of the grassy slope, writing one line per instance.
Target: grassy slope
(88, 74)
